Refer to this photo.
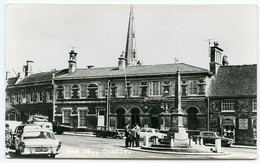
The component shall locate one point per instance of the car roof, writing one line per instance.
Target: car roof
(208, 132)
(38, 129)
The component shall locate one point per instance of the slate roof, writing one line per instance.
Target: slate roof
(41, 77)
(143, 70)
(12, 81)
(234, 81)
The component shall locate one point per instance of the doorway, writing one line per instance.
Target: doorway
(135, 116)
(192, 118)
(120, 118)
(154, 112)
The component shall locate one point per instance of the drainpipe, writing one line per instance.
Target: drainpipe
(208, 113)
(108, 104)
(53, 98)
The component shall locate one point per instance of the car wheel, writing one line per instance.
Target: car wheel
(223, 144)
(52, 155)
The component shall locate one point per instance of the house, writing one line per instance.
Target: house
(233, 103)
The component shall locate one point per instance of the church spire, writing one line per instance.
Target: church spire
(130, 52)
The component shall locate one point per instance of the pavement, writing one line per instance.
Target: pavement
(89, 134)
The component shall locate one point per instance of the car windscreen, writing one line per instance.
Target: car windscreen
(38, 135)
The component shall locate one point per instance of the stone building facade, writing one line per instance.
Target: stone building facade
(233, 103)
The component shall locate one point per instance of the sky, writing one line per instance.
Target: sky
(45, 33)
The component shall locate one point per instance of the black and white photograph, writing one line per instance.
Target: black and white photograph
(130, 81)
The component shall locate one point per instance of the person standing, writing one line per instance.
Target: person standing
(137, 135)
(133, 133)
(8, 139)
(127, 135)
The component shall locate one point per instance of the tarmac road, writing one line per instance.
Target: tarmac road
(91, 147)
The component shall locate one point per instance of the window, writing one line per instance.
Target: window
(82, 118)
(172, 88)
(120, 89)
(101, 90)
(83, 90)
(155, 88)
(254, 104)
(51, 95)
(66, 115)
(135, 89)
(254, 123)
(17, 97)
(30, 97)
(40, 96)
(67, 91)
(192, 87)
(227, 105)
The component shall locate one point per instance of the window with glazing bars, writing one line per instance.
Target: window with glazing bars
(154, 88)
(135, 89)
(228, 104)
(120, 89)
(67, 91)
(83, 90)
(254, 104)
(101, 90)
(82, 118)
(66, 116)
(193, 87)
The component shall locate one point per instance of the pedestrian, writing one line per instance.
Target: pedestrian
(8, 139)
(137, 135)
(133, 133)
(127, 135)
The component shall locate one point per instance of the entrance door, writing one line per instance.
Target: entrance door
(135, 117)
(120, 118)
(154, 112)
(154, 121)
(101, 118)
(192, 118)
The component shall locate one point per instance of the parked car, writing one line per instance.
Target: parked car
(210, 137)
(59, 128)
(38, 142)
(13, 124)
(102, 131)
(19, 130)
(151, 132)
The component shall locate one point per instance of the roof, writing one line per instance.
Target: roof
(235, 81)
(41, 77)
(143, 70)
(12, 81)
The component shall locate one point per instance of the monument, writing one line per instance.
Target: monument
(177, 131)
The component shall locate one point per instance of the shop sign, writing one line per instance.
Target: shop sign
(243, 124)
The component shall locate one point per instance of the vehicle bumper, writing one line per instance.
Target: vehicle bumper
(33, 151)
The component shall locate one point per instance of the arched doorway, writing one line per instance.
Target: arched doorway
(154, 113)
(120, 118)
(192, 118)
(135, 116)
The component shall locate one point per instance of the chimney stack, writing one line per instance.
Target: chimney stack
(72, 61)
(28, 68)
(215, 58)
(122, 62)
